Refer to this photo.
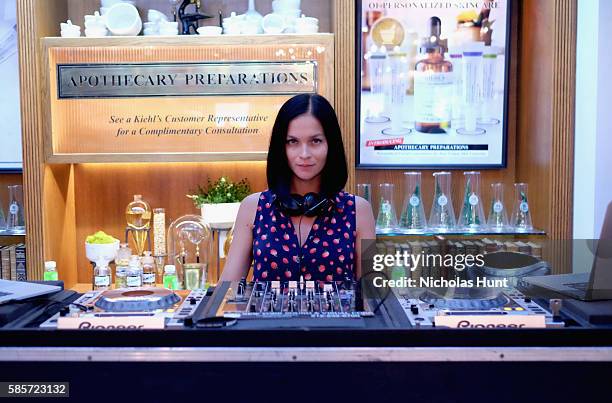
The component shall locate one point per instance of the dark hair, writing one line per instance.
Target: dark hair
(334, 174)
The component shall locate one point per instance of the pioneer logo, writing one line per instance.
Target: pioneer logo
(468, 324)
(89, 325)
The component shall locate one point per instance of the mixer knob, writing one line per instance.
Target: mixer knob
(192, 301)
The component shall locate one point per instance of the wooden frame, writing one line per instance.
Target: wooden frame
(322, 40)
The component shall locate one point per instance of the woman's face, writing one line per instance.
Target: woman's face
(306, 147)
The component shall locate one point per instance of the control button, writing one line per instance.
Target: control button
(414, 309)
(527, 300)
(507, 308)
(192, 301)
(519, 309)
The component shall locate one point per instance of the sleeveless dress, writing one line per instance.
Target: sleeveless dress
(328, 254)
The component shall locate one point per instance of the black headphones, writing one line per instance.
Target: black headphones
(311, 204)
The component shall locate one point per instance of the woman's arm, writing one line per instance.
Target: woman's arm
(366, 229)
(240, 254)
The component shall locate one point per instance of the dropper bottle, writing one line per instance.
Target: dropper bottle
(433, 83)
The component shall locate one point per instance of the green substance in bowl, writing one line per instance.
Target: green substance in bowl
(101, 237)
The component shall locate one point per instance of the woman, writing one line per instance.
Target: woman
(304, 225)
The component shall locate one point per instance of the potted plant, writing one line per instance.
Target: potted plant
(219, 201)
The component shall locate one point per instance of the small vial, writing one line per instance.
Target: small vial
(102, 277)
(133, 277)
(148, 270)
(170, 278)
(192, 273)
(121, 277)
(134, 273)
(50, 271)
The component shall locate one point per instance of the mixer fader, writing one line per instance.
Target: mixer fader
(288, 299)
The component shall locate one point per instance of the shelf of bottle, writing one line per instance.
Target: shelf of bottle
(12, 232)
(456, 232)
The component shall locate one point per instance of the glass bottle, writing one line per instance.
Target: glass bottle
(50, 273)
(148, 270)
(521, 213)
(159, 239)
(121, 276)
(102, 276)
(123, 255)
(387, 217)
(376, 60)
(170, 278)
(365, 190)
(193, 279)
(138, 216)
(134, 273)
(15, 220)
(397, 75)
(433, 84)
(413, 213)
(472, 216)
(498, 219)
(442, 216)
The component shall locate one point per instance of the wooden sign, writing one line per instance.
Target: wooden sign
(178, 99)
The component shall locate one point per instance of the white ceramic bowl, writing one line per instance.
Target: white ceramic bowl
(307, 21)
(273, 24)
(103, 251)
(123, 20)
(70, 33)
(96, 32)
(210, 31)
(232, 29)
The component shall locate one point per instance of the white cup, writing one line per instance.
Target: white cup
(210, 31)
(273, 24)
(232, 29)
(156, 16)
(306, 29)
(70, 33)
(123, 20)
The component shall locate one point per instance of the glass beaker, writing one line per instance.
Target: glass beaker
(498, 219)
(365, 190)
(376, 60)
(138, 216)
(442, 217)
(521, 214)
(413, 213)
(387, 217)
(472, 216)
(14, 219)
(397, 89)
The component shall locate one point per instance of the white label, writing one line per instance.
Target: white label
(134, 281)
(442, 201)
(414, 201)
(14, 208)
(524, 207)
(433, 97)
(148, 278)
(102, 281)
(473, 200)
(498, 207)
(490, 321)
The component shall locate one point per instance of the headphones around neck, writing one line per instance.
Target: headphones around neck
(311, 204)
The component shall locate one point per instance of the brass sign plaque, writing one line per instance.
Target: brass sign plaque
(138, 80)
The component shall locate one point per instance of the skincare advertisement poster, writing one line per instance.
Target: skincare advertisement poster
(433, 87)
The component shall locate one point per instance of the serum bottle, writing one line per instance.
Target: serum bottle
(433, 84)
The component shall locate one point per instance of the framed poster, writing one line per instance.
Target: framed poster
(10, 136)
(433, 85)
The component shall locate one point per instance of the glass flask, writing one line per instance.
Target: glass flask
(398, 74)
(138, 216)
(14, 219)
(442, 216)
(521, 214)
(498, 219)
(472, 216)
(387, 217)
(413, 213)
(189, 242)
(376, 60)
(365, 190)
